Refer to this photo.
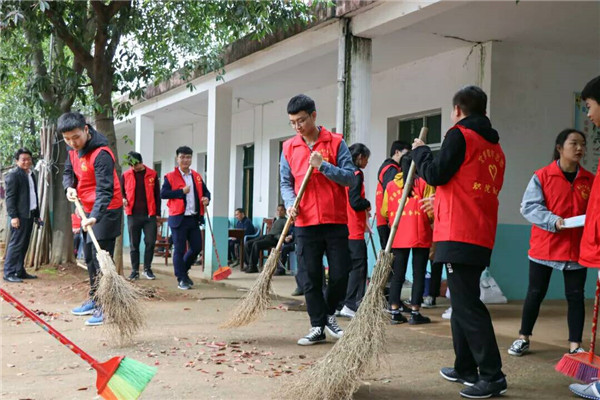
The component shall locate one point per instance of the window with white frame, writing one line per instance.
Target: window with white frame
(409, 127)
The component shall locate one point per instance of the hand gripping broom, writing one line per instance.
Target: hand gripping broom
(119, 378)
(584, 366)
(338, 375)
(119, 299)
(223, 271)
(254, 304)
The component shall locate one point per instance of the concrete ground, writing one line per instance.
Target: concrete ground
(197, 360)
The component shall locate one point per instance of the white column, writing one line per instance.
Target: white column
(217, 174)
(357, 113)
(144, 138)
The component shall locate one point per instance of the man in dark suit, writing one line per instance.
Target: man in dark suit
(22, 207)
(187, 198)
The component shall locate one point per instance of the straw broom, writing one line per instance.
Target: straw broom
(255, 303)
(119, 299)
(338, 375)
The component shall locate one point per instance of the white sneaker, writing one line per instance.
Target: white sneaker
(428, 302)
(447, 314)
(347, 312)
(315, 335)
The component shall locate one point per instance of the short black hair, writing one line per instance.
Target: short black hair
(281, 205)
(70, 121)
(399, 145)
(300, 103)
(471, 100)
(592, 90)
(22, 151)
(240, 210)
(183, 150)
(562, 138)
(134, 157)
(359, 149)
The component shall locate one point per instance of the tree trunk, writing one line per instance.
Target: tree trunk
(62, 235)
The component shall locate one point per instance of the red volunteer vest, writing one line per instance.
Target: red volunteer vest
(75, 221)
(357, 220)
(86, 179)
(565, 200)
(149, 182)
(324, 201)
(414, 229)
(177, 206)
(589, 251)
(379, 194)
(466, 208)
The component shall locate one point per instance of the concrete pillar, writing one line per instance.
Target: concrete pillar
(144, 138)
(217, 175)
(357, 99)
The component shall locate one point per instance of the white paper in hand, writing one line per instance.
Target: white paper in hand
(575, 222)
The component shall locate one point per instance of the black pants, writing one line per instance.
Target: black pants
(419, 264)
(14, 261)
(187, 234)
(93, 267)
(357, 278)
(384, 234)
(231, 249)
(257, 246)
(137, 223)
(436, 279)
(286, 249)
(76, 243)
(312, 242)
(473, 335)
(539, 279)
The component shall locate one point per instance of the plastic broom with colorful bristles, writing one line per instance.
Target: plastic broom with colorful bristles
(119, 378)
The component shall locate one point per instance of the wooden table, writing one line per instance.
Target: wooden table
(239, 235)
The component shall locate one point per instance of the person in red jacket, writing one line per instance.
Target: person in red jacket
(358, 214)
(468, 174)
(141, 198)
(91, 176)
(555, 192)
(321, 219)
(416, 237)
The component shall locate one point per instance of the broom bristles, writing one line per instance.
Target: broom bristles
(128, 381)
(255, 303)
(578, 366)
(120, 301)
(337, 375)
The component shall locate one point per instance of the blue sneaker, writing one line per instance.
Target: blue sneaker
(590, 391)
(96, 319)
(86, 308)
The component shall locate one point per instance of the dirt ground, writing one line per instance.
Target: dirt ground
(197, 360)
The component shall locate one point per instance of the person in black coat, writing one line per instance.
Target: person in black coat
(22, 208)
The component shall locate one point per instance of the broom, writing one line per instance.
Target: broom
(338, 375)
(584, 366)
(222, 272)
(119, 299)
(254, 304)
(119, 378)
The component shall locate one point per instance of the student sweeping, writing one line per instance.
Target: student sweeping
(416, 237)
(358, 207)
(321, 219)
(468, 174)
(555, 192)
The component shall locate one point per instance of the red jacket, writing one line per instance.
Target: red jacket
(324, 201)
(75, 221)
(466, 208)
(86, 179)
(414, 229)
(565, 200)
(149, 182)
(357, 220)
(589, 251)
(379, 193)
(177, 206)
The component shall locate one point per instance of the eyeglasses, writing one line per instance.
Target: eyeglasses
(299, 122)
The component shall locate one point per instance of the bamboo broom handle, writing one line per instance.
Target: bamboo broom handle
(408, 181)
(595, 319)
(89, 231)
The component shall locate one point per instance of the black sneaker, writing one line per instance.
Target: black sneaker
(183, 285)
(149, 274)
(396, 317)
(298, 292)
(134, 276)
(484, 389)
(451, 375)
(416, 318)
(519, 347)
(188, 281)
(315, 335)
(333, 328)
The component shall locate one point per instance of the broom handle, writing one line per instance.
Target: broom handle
(408, 181)
(90, 231)
(42, 324)
(212, 235)
(289, 221)
(595, 320)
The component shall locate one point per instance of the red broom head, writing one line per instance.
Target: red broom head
(105, 371)
(221, 273)
(580, 367)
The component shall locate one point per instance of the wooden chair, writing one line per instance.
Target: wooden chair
(162, 247)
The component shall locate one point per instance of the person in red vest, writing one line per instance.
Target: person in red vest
(388, 170)
(468, 174)
(558, 191)
(91, 176)
(141, 199)
(416, 237)
(321, 219)
(76, 229)
(589, 252)
(187, 197)
(358, 214)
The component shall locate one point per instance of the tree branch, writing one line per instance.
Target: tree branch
(75, 45)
